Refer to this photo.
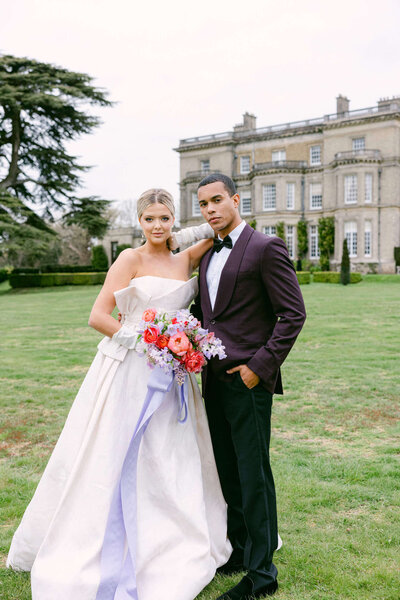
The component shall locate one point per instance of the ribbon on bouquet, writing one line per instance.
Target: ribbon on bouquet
(118, 557)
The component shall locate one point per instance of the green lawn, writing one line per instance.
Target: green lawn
(335, 446)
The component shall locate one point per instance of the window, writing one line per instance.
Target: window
(367, 238)
(350, 233)
(278, 155)
(350, 189)
(368, 188)
(359, 143)
(244, 164)
(196, 212)
(314, 247)
(245, 203)
(315, 155)
(315, 195)
(114, 246)
(290, 196)
(290, 240)
(269, 196)
(270, 230)
(205, 165)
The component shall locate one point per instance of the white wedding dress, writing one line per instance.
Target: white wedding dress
(181, 513)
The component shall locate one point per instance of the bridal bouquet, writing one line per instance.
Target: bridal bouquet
(178, 344)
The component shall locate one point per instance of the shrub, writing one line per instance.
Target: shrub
(324, 262)
(345, 265)
(334, 277)
(18, 270)
(311, 266)
(57, 269)
(326, 240)
(99, 258)
(303, 277)
(5, 273)
(52, 279)
(302, 238)
(68, 269)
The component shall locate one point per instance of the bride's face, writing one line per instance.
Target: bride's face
(156, 222)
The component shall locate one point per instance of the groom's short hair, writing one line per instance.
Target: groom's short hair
(214, 177)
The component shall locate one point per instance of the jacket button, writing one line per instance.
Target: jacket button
(212, 322)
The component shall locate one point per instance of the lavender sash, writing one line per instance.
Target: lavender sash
(118, 557)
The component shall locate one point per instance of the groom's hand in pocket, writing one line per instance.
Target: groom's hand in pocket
(249, 378)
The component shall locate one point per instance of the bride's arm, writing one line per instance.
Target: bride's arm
(195, 253)
(190, 235)
(119, 275)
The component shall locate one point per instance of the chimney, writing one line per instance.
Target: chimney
(389, 103)
(342, 105)
(249, 123)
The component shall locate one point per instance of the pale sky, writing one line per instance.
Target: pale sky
(179, 69)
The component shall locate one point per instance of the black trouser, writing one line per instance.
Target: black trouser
(240, 425)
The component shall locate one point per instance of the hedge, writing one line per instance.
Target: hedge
(51, 279)
(56, 269)
(334, 277)
(303, 277)
(4, 273)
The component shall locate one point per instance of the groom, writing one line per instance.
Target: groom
(250, 298)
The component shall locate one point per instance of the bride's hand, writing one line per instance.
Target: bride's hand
(172, 242)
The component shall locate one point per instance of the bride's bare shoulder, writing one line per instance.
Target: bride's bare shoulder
(128, 260)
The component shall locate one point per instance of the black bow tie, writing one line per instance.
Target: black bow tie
(219, 244)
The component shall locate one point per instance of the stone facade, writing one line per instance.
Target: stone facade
(117, 237)
(345, 165)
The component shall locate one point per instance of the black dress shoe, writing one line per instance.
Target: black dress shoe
(230, 569)
(244, 590)
(234, 564)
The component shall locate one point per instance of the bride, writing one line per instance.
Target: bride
(180, 514)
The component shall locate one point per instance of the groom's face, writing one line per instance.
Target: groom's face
(218, 208)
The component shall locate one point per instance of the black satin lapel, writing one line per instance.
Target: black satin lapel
(230, 271)
(204, 295)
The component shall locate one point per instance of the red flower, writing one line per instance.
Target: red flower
(194, 361)
(179, 343)
(174, 321)
(162, 341)
(149, 315)
(150, 335)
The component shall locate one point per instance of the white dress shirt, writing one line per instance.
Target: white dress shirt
(217, 263)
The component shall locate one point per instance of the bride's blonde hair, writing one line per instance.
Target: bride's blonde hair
(154, 196)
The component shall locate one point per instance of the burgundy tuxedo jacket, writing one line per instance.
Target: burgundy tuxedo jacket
(259, 309)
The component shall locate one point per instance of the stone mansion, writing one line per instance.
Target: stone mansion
(345, 165)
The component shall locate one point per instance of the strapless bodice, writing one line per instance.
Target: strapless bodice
(149, 291)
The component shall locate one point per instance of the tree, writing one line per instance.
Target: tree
(75, 245)
(302, 242)
(42, 107)
(125, 212)
(24, 237)
(326, 240)
(345, 264)
(280, 230)
(99, 258)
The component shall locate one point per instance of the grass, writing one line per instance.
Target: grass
(335, 447)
